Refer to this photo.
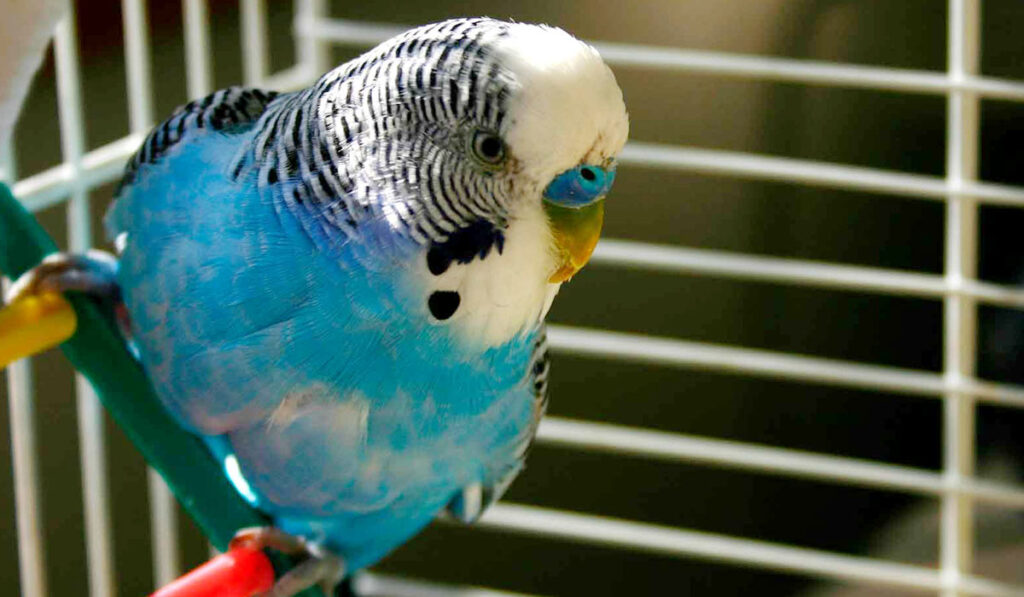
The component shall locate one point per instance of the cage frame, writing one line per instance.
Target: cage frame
(958, 287)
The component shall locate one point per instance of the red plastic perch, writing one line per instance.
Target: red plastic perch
(240, 572)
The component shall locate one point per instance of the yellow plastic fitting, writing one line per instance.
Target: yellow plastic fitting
(33, 324)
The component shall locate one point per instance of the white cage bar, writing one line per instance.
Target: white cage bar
(25, 465)
(198, 67)
(960, 332)
(24, 456)
(958, 288)
(91, 435)
(255, 56)
(677, 447)
(678, 542)
(163, 510)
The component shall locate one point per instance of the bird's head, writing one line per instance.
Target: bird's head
(491, 146)
(566, 125)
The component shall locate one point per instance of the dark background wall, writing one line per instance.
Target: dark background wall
(860, 127)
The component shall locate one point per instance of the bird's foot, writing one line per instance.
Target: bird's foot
(318, 566)
(93, 273)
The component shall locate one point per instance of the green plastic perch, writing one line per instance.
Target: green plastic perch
(97, 351)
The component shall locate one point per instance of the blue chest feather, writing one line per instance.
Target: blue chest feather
(312, 363)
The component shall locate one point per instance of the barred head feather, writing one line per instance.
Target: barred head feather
(389, 134)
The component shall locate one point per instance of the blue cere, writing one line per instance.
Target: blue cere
(580, 186)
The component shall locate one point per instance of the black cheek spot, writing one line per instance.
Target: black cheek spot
(443, 304)
(438, 261)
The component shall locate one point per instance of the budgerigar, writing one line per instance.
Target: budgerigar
(343, 289)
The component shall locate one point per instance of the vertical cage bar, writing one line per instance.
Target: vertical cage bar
(99, 532)
(198, 58)
(140, 84)
(164, 525)
(163, 516)
(25, 464)
(8, 165)
(21, 400)
(957, 537)
(69, 95)
(312, 51)
(91, 434)
(254, 41)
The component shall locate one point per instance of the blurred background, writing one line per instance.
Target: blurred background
(879, 129)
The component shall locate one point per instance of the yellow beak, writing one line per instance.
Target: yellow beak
(576, 231)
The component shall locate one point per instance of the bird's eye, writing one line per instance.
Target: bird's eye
(488, 148)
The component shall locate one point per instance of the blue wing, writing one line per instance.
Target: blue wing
(473, 500)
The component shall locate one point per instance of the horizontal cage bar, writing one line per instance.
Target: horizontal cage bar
(689, 260)
(52, 185)
(725, 64)
(599, 530)
(105, 164)
(372, 584)
(629, 441)
(814, 173)
(664, 351)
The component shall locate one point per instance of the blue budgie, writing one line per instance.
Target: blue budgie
(343, 289)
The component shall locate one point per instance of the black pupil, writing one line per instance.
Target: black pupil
(588, 174)
(490, 147)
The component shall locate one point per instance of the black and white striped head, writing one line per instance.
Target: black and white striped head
(488, 144)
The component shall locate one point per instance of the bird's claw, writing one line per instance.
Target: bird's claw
(318, 566)
(264, 537)
(93, 272)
